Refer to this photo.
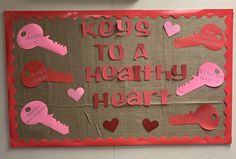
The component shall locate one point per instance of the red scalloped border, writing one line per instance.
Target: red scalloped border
(12, 16)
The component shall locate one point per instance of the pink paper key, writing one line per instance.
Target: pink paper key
(209, 74)
(36, 112)
(31, 36)
(211, 36)
(205, 116)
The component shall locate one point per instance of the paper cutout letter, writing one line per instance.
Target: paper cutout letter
(104, 101)
(205, 116)
(118, 102)
(36, 112)
(164, 96)
(110, 28)
(171, 29)
(209, 74)
(137, 70)
(140, 52)
(100, 50)
(109, 76)
(111, 125)
(142, 31)
(211, 36)
(120, 52)
(35, 72)
(96, 75)
(150, 125)
(135, 98)
(127, 29)
(148, 97)
(126, 73)
(75, 94)
(179, 76)
(87, 29)
(31, 36)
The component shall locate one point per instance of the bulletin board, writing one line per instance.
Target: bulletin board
(103, 78)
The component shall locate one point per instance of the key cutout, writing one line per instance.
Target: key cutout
(35, 72)
(36, 112)
(32, 35)
(205, 116)
(210, 36)
(209, 74)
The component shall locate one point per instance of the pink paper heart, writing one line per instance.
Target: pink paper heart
(171, 29)
(75, 94)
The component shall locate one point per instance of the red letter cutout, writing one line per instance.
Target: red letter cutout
(140, 52)
(120, 52)
(183, 73)
(125, 73)
(87, 29)
(96, 101)
(110, 28)
(111, 76)
(100, 50)
(164, 96)
(128, 28)
(147, 72)
(118, 102)
(148, 97)
(136, 99)
(159, 71)
(96, 75)
(137, 70)
(143, 31)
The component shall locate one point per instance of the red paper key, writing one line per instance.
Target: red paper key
(205, 116)
(35, 72)
(211, 36)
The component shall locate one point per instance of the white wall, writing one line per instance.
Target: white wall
(140, 152)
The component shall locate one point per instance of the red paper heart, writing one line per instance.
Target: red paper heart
(150, 125)
(111, 125)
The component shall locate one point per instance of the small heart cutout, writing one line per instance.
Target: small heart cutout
(111, 125)
(150, 125)
(171, 29)
(75, 94)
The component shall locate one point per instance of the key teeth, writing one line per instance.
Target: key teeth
(180, 89)
(59, 122)
(63, 46)
(55, 124)
(184, 85)
(58, 44)
(179, 42)
(179, 92)
(183, 41)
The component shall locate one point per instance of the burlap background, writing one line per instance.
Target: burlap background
(82, 54)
